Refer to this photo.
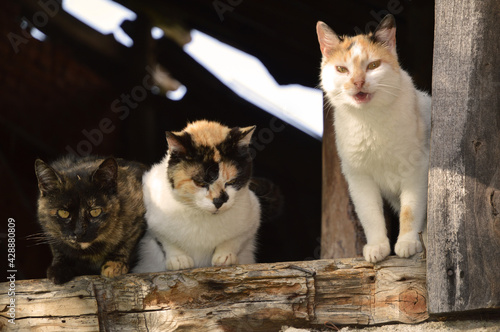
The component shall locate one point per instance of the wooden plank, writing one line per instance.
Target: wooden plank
(259, 297)
(464, 175)
(341, 232)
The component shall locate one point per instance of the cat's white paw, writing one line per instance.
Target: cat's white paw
(179, 262)
(407, 248)
(376, 252)
(224, 259)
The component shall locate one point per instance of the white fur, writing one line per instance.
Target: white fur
(384, 150)
(193, 235)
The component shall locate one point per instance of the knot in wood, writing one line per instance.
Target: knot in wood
(412, 302)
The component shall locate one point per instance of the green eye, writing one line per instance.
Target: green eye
(374, 65)
(95, 212)
(342, 69)
(63, 214)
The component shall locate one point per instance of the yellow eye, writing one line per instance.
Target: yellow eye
(230, 183)
(95, 212)
(342, 69)
(200, 183)
(63, 214)
(373, 65)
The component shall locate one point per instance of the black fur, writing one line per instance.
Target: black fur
(77, 186)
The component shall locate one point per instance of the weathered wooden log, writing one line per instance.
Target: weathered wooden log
(259, 297)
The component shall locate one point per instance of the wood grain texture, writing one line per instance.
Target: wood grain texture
(259, 297)
(464, 175)
(341, 232)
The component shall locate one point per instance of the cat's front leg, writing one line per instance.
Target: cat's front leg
(225, 254)
(412, 217)
(229, 252)
(224, 258)
(60, 271)
(116, 263)
(113, 269)
(176, 258)
(367, 201)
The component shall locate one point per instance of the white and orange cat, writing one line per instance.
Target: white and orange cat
(201, 210)
(382, 130)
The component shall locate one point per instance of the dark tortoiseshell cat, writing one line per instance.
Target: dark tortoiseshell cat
(92, 214)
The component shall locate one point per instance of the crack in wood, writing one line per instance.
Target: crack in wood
(311, 296)
(494, 210)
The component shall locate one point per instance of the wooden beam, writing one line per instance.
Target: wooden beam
(259, 297)
(464, 176)
(341, 232)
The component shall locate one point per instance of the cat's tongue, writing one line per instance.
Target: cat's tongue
(362, 97)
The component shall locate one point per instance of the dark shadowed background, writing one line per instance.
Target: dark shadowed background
(82, 92)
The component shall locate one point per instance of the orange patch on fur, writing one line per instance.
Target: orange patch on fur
(405, 220)
(207, 133)
(113, 269)
(181, 183)
(183, 177)
(217, 156)
(216, 189)
(229, 171)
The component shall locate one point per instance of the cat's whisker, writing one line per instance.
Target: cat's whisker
(38, 237)
(35, 235)
(389, 91)
(389, 86)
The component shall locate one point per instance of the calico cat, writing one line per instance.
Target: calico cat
(92, 214)
(200, 209)
(382, 130)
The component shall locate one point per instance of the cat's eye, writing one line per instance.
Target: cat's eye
(342, 69)
(374, 65)
(200, 184)
(230, 183)
(95, 212)
(63, 214)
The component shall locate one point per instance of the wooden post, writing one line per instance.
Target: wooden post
(464, 179)
(341, 232)
(259, 297)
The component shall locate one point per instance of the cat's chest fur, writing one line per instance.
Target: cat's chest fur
(382, 138)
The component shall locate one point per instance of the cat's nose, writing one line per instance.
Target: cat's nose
(218, 201)
(359, 84)
(79, 230)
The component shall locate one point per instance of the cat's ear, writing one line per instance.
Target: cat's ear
(174, 143)
(246, 135)
(385, 33)
(48, 179)
(328, 39)
(106, 174)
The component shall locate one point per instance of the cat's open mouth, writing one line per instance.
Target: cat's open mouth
(362, 97)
